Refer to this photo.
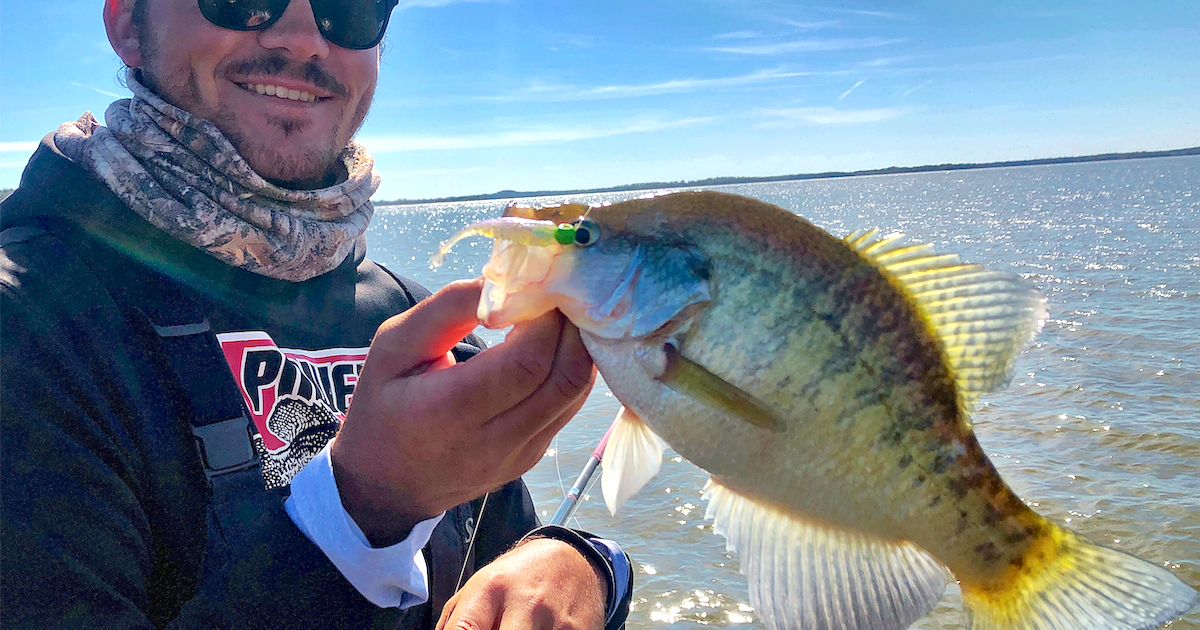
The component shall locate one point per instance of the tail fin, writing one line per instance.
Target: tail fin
(1073, 583)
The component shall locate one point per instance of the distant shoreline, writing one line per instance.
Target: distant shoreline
(722, 181)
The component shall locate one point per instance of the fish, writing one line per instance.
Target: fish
(826, 385)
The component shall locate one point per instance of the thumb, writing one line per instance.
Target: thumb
(424, 334)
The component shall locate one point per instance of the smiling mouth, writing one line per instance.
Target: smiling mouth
(280, 92)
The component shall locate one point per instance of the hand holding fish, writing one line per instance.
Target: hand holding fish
(424, 434)
(542, 584)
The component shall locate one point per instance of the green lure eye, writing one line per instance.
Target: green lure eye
(587, 233)
(564, 234)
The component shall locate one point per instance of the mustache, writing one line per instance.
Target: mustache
(277, 65)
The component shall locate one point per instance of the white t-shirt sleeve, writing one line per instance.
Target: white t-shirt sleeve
(388, 577)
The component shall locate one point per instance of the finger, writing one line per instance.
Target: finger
(506, 374)
(440, 363)
(566, 386)
(536, 618)
(426, 332)
(447, 612)
(476, 609)
(531, 453)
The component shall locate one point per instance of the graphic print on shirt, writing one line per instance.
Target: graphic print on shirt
(297, 398)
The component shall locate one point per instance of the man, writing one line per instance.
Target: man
(217, 221)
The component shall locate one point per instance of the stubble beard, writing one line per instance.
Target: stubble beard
(315, 168)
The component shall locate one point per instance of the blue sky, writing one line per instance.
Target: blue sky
(479, 96)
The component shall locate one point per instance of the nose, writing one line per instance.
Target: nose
(296, 31)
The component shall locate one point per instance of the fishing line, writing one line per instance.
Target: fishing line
(558, 468)
(471, 544)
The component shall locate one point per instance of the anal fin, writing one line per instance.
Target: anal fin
(807, 576)
(632, 457)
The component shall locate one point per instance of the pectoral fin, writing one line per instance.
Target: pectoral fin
(632, 457)
(692, 379)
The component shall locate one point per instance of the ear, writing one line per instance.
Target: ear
(122, 32)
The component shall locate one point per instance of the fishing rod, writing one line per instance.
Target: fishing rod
(571, 501)
(565, 510)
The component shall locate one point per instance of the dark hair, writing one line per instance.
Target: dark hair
(139, 23)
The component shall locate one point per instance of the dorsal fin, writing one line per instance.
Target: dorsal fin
(983, 318)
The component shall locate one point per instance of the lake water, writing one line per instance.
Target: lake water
(1099, 430)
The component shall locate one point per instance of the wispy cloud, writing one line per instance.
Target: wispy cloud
(18, 147)
(832, 116)
(99, 91)
(878, 14)
(522, 137)
(852, 88)
(885, 62)
(737, 35)
(806, 45)
(809, 26)
(574, 93)
(906, 93)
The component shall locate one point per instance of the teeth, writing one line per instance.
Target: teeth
(280, 92)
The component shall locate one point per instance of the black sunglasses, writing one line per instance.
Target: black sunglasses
(356, 24)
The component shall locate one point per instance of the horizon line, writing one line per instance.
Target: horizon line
(731, 180)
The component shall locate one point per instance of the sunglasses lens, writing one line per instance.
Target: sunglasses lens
(242, 15)
(357, 24)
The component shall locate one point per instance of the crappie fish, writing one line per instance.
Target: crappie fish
(826, 385)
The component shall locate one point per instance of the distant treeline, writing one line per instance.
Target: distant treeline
(721, 181)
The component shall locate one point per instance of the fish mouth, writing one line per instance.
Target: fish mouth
(516, 283)
(621, 286)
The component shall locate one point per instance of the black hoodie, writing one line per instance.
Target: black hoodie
(105, 505)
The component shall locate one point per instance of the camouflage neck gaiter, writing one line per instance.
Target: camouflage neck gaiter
(182, 175)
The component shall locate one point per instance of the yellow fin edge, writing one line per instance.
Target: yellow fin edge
(1066, 581)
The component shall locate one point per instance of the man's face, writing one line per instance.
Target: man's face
(227, 77)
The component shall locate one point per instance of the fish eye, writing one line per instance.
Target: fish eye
(587, 232)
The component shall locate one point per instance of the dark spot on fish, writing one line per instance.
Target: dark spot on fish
(702, 269)
(963, 522)
(1017, 563)
(987, 551)
(785, 381)
(905, 461)
(893, 437)
(923, 422)
(958, 487)
(1014, 538)
(936, 500)
(992, 516)
(941, 462)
